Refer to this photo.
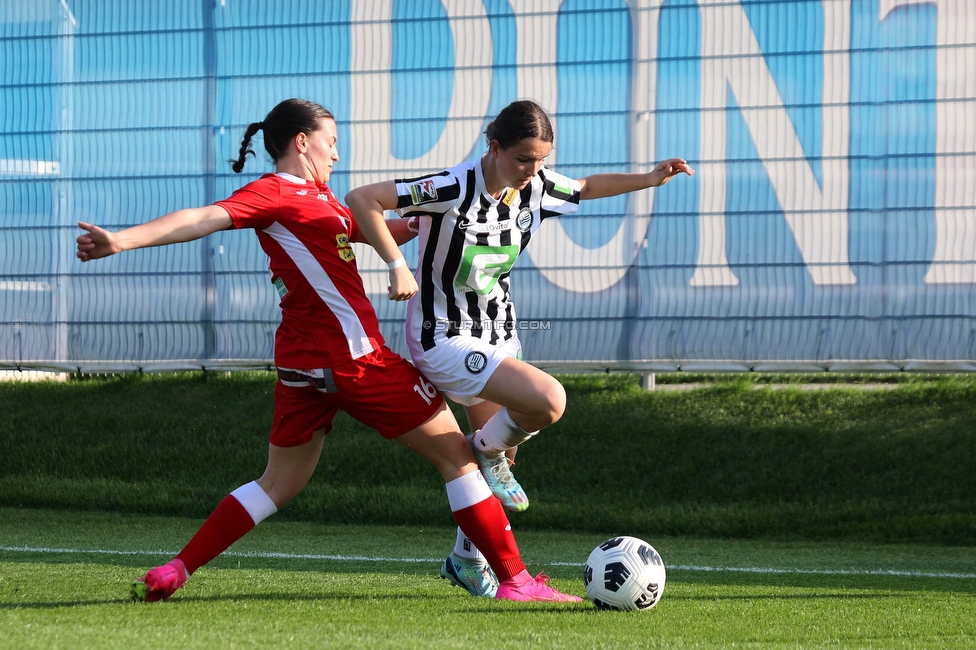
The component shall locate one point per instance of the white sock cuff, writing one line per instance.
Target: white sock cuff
(507, 417)
(516, 427)
(467, 490)
(256, 501)
(501, 432)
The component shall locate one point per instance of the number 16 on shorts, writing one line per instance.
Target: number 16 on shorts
(425, 389)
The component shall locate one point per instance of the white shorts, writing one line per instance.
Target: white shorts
(460, 366)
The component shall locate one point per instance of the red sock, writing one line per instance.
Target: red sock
(225, 525)
(486, 524)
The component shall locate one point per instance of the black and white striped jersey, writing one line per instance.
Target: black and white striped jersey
(468, 244)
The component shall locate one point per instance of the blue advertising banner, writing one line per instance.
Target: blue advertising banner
(831, 224)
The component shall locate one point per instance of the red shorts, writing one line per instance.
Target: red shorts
(381, 390)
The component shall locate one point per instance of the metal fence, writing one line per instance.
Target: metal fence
(831, 225)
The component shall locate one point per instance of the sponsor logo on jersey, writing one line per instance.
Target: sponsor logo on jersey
(492, 226)
(509, 197)
(322, 197)
(280, 286)
(524, 220)
(344, 247)
(481, 266)
(475, 362)
(301, 192)
(423, 192)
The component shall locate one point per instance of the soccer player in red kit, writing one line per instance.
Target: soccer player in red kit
(329, 352)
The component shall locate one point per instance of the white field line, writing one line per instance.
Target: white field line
(421, 560)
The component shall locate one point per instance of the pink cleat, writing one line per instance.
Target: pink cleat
(525, 587)
(160, 583)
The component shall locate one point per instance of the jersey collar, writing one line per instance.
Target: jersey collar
(292, 178)
(479, 177)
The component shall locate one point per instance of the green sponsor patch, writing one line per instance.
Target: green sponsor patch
(483, 265)
(560, 183)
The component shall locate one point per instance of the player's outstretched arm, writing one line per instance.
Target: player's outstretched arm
(368, 204)
(599, 186)
(175, 227)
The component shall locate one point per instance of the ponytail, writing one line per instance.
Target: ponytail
(284, 122)
(238, 165)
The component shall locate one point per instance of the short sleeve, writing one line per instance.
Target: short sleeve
(433, 194)
(560, 194)
(254, 205)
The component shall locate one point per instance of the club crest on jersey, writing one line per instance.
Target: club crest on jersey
(475, 362)
(344, 247)
(423, 192)
(524, 220)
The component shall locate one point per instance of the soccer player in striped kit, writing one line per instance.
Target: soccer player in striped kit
(329, 351)
(474, 220)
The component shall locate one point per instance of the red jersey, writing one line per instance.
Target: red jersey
(326, 317)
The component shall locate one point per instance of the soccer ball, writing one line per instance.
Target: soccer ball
(624, 573)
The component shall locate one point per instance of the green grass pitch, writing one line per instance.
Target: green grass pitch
(64, 580)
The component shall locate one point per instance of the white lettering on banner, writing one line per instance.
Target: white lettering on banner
(371, 151)
(816, 212)
(560, 259)
(955, 162)
(817, 216)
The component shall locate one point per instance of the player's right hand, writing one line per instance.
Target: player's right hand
(95, 243)
(402, 284)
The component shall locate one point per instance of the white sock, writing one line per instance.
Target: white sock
(256, 501)
(465, 548)
(500, 433)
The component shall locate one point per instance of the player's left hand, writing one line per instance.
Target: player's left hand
(668, 169)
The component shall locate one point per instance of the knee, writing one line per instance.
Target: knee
(279, 491)
(456, 458)
(440, 442)
(552, 402)
(558, 402)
